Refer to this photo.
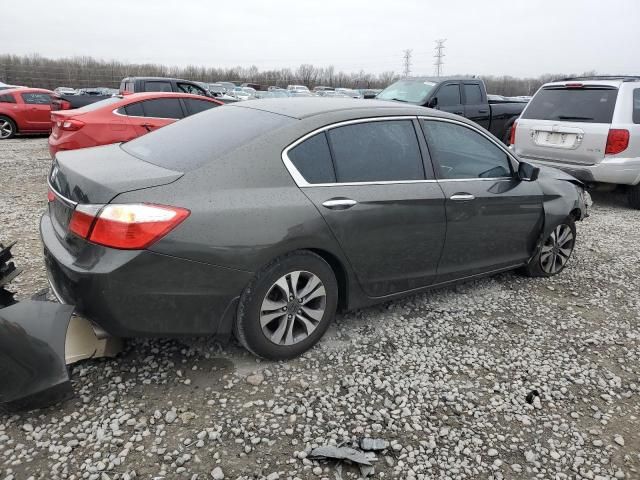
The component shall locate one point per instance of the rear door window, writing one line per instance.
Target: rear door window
(448, 95)
(589, 105)
(162, 108)
(472, 94)
(36, 98)
(312, 158)
(196, 106)
(376, 151)
(157, 86)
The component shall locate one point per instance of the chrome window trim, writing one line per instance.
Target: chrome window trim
(66, 200)
(115, 112)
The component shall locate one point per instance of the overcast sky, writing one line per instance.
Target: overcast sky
(499, 37)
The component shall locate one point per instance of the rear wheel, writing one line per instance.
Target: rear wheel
(633, 196)
(7, 128)
(288, 306)
(555, 251)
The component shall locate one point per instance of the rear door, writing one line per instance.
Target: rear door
(493, 218)
(567, 123)
(476, 105)
(367, 179)
(449, 98)
(149, 115)
(37, 107)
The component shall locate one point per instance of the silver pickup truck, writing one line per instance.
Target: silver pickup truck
(588, 127)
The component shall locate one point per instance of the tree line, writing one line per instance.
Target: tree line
(79, 72)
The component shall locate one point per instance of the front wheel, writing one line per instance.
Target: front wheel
(7, 128)
(554, 253)
(287, 307)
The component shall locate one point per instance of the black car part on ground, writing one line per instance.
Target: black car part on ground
(8, 271)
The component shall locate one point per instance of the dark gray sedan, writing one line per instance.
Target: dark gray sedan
(264, 218)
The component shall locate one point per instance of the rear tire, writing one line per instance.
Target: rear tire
(287, 307)
(633, 196)
(554, 253)
(8, 128)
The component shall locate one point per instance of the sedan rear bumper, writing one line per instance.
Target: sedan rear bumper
(142, 293)
(620, 171)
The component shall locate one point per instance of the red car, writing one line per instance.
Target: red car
(121, 118)
(24, 110)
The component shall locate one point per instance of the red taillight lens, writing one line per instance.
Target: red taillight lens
(512, 135)
(70, 125)
(130, 227)
(617, 141)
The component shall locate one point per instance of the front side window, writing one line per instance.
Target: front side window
(472, 94)
(154, 86)
(7, 98)
(459, 152)
(162, 108)
(312, 158)
(192, 89)
(36, 98)
(448, 95)
(376, 151)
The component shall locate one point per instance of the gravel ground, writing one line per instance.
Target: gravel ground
(444, 377)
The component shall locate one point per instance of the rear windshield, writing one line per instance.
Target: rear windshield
(590, 105)
(190, 143)
(97, 105)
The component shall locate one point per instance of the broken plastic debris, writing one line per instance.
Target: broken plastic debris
(339, 453)
(373, 444)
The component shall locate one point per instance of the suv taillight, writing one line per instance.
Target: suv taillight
(125, 226)
(617, 141)
(512, 134)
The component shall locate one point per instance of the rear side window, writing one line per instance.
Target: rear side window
(196, 106)
(162, 108)
(154, 86)
(194, 141)
(36, 98)
(636, 105)
(376, 151)
(472, 93)
(589, 105)
(7, 99)
(133, 110)
(448, 95)
(312, 158)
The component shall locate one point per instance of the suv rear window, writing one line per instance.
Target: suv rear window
(589, 105)
(192, 142)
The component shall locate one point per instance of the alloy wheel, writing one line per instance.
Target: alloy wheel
(557, 249)
(293, 307)
(6, 129)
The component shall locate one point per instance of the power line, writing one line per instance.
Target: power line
(406, 62)
(439, 50)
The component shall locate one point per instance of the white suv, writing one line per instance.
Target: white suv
(588, 127)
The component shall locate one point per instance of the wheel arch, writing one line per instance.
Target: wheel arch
(15, 122)
(339, 271)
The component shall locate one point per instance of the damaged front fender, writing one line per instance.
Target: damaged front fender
(33, 370)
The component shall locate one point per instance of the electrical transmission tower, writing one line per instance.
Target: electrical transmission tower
(406, 62)
(439, 55)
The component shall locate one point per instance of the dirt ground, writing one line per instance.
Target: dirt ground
(443, 377)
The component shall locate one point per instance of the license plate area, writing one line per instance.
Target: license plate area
(556, 139)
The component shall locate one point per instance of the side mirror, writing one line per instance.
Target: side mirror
(433, 103)
(528, 172)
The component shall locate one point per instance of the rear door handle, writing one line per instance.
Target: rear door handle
(462, 197)
(339, 203)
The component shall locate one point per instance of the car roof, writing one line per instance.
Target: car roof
(611, 82)
(304, 107)
(25, 90)
(439, 79)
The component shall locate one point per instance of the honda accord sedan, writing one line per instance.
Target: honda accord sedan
(262, 219)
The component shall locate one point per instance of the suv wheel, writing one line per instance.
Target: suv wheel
(7, 128)
(287, 307)
(633, 196)
(555, 251)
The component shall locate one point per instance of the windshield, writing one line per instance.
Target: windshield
(410, 91)
(589, 105)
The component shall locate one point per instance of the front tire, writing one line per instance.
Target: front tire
(8, 128)
(287, 307)
(554, 253)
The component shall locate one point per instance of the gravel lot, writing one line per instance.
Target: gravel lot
(443, 377)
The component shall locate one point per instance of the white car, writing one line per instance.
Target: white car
(298, 88)
(588, 127)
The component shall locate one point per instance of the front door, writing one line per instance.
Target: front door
(37, 110)
(449, 99)
(493, 218)
(388, 218)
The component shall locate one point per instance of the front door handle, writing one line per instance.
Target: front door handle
(339, 203)
(462, 197)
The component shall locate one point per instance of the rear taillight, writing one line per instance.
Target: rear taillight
(512, 134)
(130, 227)
(70, 125)
(617, 141)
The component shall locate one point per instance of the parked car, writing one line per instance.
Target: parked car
(320, 88)
(122, 118)
(466, 97)
(65, 100)
(242, 219)
(24, 111)
(65, 91)
(349, 92)
(160, 84)
(298, 88)
(589, 127)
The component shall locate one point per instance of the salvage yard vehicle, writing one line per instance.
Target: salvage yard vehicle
(24, 111)
(121, 118)
(466, 97)
(588, 127)
(264, 218)
(160, 84)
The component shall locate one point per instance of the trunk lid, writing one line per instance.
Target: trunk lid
(567, 124)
